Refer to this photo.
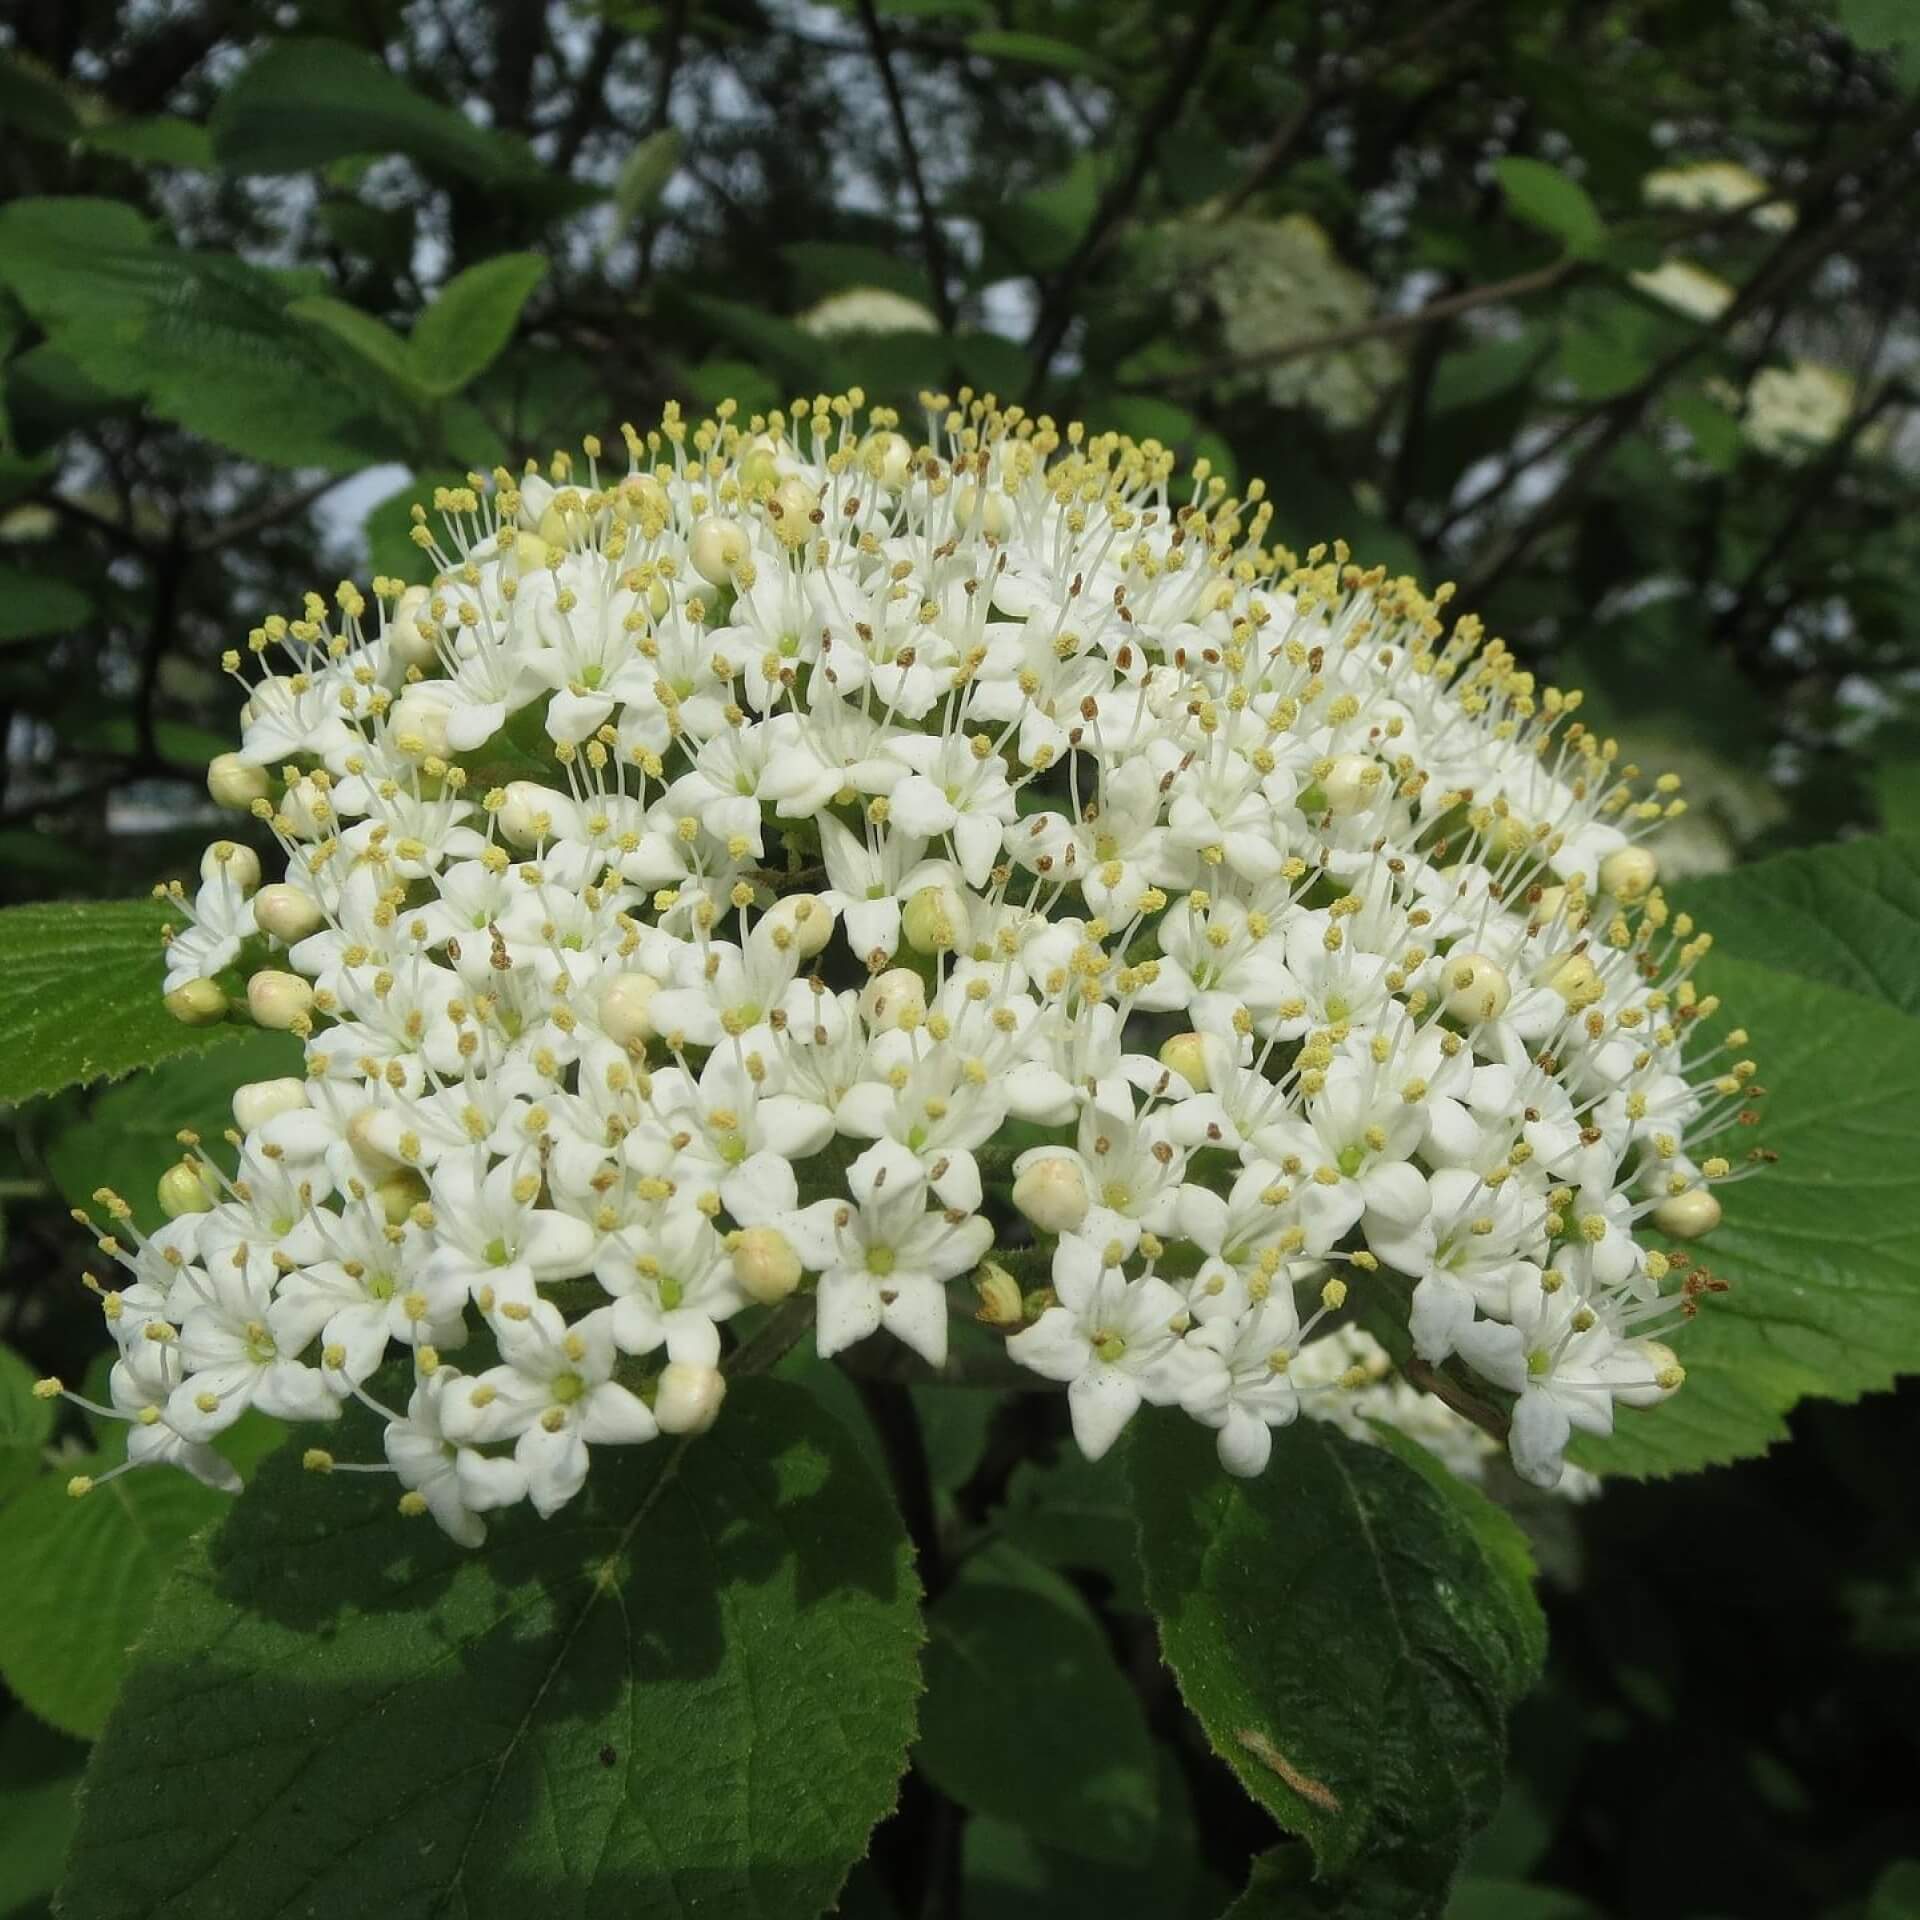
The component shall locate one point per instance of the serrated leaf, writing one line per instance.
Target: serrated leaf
(1553, 201)
(307, 102)
(79, 1578)
(32, 605)
(25, 1423)
(203, 338)
(163, 140)
(126, 1140)
(690, 1692)
(469, 325)
(367, 339)
(80, 996)
(1344, 1638)
(1823, 1249)
(1004, 1640)
(1846, 916)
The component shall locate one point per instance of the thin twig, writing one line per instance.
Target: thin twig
(1280, 146)
(269, 513)
(1056, 304)
(1381, 326)
(1490, 1420)
(932, 241)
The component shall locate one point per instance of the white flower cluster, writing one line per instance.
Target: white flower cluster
(805, 862)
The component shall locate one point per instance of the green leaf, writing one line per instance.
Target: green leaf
(1012, 1874)
(1546, 198)
(1344, 1637)
(203, 338)
(1076, 1515)
(1885, 26)
(1481, 1899)
(1032, 50)
(31, 605)
(126, 1140)
(1716, 432)
(80, 996)
(307, 102)
(1846, 916)
(690, 1692)
(788, 353)
(469, 325)
(79, 1579)
(1822, 1250)
(821, 267)
(164, 140)
(368, 341)
(1896, 1894)
(32, 100)
(25, 1423)
(39, 1771)
(643, 176)
(1501, 1542)
(1026, 1717)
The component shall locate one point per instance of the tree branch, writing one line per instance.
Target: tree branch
(1056, 303)
(1381, 326)
(269, 513)
(933, 242)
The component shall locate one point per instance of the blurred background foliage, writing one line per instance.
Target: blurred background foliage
(1606, 309)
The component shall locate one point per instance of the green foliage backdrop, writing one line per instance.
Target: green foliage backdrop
(1606, 310)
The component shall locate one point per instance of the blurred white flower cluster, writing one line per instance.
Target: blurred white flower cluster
(784, 870)
(1272, 282)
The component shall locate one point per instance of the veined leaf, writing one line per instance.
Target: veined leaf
(692, 1691)
(306, 102)
(80, 996)
(469, 325)
(1346, 1638)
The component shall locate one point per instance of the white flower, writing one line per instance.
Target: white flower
(909, 848)
(554, 1396)
(882, 1261)
(456, 1483)
(1113, 1340)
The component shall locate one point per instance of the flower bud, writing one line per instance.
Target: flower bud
(764, 1263)
(233, 783)
(624, 1004)
(936, 920)
(806, 917)
(241, 865)
(1353, 782)
(1052, 1192)
(1474, 988)
(1001, 1303)
(975, 513)
(398, 1194)
(686, 1398)
(1576, 980)
(199, 1003)
(408, 645)
(1665, 1374)
(1186, 1055)
(183, 1189)
(286, 913)
(417, 722)
(797, 503)
(717, 547)
(894, 998)
(527, 815)
(536, 499)
(1629, 874)
(277, 1000)
(1686, 1216)
(888, 457)
(362, 1136)
(262, 1100)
